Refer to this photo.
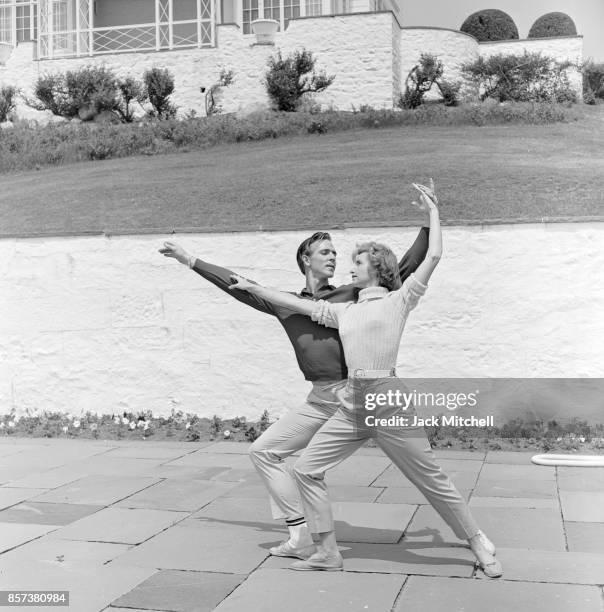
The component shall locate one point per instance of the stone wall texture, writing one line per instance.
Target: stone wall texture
(369, 54)
(107, 324)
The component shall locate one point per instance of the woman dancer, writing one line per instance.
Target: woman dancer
(370, 331)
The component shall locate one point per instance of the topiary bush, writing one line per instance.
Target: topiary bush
(289, 79)
(553, 24)
(490, 24)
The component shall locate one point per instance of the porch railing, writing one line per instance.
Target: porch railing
(157, 36)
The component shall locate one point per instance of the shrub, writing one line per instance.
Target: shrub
(290, 78)
(159, 86)
(225, 78)
(82, 93)
(490, 24)
(8, 101)
(593, 81)
(449, 92)
(553, 24)
(420, 79)
(129, 90)
(530, 77)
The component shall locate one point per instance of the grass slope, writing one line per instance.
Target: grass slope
(359, 177)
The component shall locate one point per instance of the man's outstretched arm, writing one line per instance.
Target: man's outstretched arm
(220, 277)
(415, 255)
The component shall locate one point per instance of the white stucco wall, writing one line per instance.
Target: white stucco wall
(107, 324)
(368, 53)
(356, 48)
(453, 48)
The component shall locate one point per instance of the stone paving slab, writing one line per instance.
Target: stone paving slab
(583, 506)
(460, 465)
(401, 558)
(240, 511)
(511, 457)
(48, 479)
(46, 513)
(200, 458)
(238, 448)
(393, 477)
(476, 455)
(150, 451)
(513, 502)
(123, 525)
(584, 537)
(124, 466)
(550, 566)
(239, 475)
(277, 590)
(535, 528)
(581, 478)
(378, 523)
(10, 497)
(181, 591)
(177, 494)
(357, 470)
(494, 487)
(90, 588)
(97, 490)
(409, 495)
(14, 534)
(458, 595)
(203, 547)
(52, 550)
(503, 471)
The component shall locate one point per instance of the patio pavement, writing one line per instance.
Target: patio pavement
(185, 527)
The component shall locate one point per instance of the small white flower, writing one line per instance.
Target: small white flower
(125, 421)
(187, 425)
(93, 427)
(17, 419)
(581, 438)
(76, 423)
(227, 433)
(146, 426)
(133, 425)
(69, 417)
(116, 420)
(140, 423)
(65, 428)
(11, 423)
(2, 425)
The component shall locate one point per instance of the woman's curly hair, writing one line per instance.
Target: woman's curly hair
(383, 261)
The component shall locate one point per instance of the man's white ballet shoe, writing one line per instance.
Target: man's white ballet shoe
(320, 562)
(492, 569)
(286, 549)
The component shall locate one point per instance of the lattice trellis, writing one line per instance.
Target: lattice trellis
(82, 38)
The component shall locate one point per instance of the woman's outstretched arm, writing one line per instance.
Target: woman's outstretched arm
(428, 201)
(280, 298)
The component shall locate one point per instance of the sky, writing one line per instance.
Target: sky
(588, 16)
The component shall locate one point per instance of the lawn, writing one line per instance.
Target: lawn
(359, 177)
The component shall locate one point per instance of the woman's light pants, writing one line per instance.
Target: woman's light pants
(407, 447)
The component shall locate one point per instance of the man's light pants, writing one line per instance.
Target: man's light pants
(407, 447)
(291, 433)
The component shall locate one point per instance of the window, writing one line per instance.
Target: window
(250, 13)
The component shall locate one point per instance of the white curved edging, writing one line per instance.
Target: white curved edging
(570, 460)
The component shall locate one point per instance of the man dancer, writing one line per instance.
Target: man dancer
(321, 359)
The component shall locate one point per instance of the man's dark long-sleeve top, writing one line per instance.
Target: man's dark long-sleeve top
(318, 349)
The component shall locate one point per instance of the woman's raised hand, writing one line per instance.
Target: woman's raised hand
(427, 197)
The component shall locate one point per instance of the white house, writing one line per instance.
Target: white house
(366, 44)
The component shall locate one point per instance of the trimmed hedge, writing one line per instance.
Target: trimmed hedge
(553, 24)
(490, 24)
